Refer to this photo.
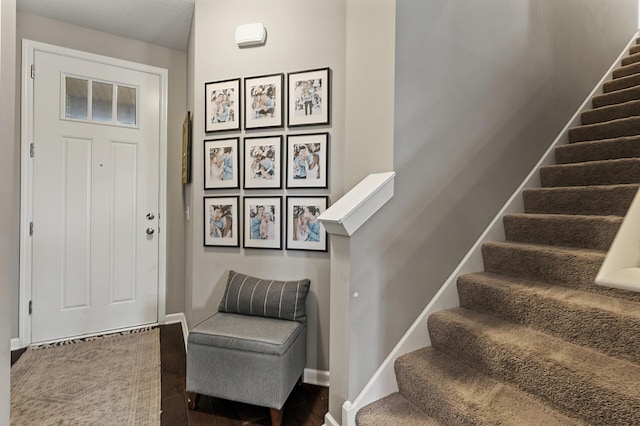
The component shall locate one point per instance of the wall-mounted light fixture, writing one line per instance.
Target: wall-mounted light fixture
(250, 35)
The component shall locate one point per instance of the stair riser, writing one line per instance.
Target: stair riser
(608, 130)
(442, 387)
(573, 323)
(631, 59)
(433, 399)
(618, 97)
(626, 70)
(634, 49)
(584, 174)
(568, 269)
(587, 233)
(552, 382)
(610, 149)
(621, 83)
(614, 112)
(584, 201)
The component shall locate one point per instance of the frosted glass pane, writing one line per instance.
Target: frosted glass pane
(102, 102)
(76, 103)
(126, 105)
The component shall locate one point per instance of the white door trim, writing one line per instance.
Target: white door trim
(26, 182)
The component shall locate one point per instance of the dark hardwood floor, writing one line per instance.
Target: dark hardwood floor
(306, 405)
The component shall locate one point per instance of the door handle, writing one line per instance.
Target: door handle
(150, 231)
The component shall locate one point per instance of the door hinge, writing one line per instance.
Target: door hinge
(30, 228)
(33, 71)
(30, 307)
(32, 150)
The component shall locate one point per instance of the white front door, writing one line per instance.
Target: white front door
(96, 132)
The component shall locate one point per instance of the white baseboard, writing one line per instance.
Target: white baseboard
(15, 344)
(179, 318)
(330, 421)
(316, 377)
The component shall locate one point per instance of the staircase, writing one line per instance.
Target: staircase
(535, 341)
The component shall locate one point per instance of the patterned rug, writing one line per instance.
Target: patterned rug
(108, 380)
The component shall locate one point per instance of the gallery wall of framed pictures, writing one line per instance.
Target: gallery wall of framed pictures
(239, 169)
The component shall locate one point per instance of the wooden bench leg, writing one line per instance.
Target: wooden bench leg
(276, 417)
(192, 400)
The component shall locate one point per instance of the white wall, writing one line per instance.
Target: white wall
(8, 243)
(74, 37)
(481, 90)
(300, 36)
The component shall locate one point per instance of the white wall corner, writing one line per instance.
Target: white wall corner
(330, 421)
(181, 318)
(316, 377)
(15, 344)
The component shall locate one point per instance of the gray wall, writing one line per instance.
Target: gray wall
(481, 90)
(300, 36)
(74, 37)
(8, 242)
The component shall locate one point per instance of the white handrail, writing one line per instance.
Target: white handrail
(351, 211)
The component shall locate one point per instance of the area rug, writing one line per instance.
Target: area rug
(108, 380)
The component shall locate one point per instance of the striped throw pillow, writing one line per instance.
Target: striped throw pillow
(266, 298)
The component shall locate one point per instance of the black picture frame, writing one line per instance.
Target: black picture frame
(309, 97)
(264, 101)
(262, 163)
(222, 105)
(262, 222)
(224, 210)
(221, 167)
(303, 230)
(308, 160)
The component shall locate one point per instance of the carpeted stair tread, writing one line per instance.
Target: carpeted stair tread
(583, 200)
(601, 172)
(629, 126)
(572, 267)
(576, 316)
(634, 49)
(610, 112)
(626, 70)
(395, 410)
(573, 379)
(617, 97)
(459, 395)
(580, 231)
(632, 58)
(605, 149)
(621, 83)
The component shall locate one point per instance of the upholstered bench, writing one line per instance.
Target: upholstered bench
(253, 350)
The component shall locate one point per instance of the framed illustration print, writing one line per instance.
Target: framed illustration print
(263, 101)
(304, 230)
(221, 163)
(307, 160)
(309, 97)
(263, 162)
(186, 149)
(263, 222)
(222, 105)
(221, 225)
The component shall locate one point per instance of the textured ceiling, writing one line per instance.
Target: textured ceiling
(163, 22)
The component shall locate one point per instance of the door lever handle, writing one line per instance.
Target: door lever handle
(150, 231)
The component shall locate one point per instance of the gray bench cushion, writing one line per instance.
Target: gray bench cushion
(246, 333)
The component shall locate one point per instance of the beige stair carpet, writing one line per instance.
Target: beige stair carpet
(535, 341)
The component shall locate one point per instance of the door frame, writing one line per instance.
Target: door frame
(29, 48)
